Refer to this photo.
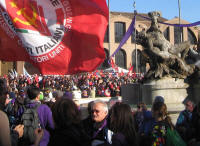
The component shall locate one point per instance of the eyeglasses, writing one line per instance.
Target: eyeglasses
(95, 111)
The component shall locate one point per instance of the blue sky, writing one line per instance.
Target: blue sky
(190, 9)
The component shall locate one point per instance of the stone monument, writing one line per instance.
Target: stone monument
(169, 69)
(165, 59)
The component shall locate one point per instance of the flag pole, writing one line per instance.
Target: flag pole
(179, 17)
(109, 28)
(136, 61)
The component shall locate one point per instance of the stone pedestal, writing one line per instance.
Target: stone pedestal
(173, 90)
(131, 93)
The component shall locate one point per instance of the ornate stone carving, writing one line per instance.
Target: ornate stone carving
(164, 58)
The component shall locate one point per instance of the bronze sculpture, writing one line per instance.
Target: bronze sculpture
(164, 58)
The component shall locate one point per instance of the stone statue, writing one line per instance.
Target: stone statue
(164, 58)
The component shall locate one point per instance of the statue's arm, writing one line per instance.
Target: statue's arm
(157, 51)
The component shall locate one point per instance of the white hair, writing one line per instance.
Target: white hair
(104, 104)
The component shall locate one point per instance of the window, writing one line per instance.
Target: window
(178, 33)
(106, 37)
(191, 37)
(120, 59)
(141, 64)
(166, 33)
(120, 30)
(105, 64)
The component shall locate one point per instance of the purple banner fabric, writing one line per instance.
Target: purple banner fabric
(126, 36)
(182, 25)
(176, 25)
(131, 29)
(102, 126)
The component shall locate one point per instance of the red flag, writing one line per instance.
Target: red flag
(130, 65)
(58, 37)
(116, 68)
(122, 73)
(130, 70)
(134, 74)
(112, 63)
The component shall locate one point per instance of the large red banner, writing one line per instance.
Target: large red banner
(58, 36)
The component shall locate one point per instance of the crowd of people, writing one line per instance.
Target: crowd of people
(164, 132)
(96, 84)
(41, 111)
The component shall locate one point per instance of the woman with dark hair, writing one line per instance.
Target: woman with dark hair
(3, 94)
(7, 137)
(122, 124)
(68, 129)
(162, 122)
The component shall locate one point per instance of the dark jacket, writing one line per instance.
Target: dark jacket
(118, 139)
(14, 137)
(196, 123)
(92, 129)
(88, 126)
(184, 125)
(146, 126)
(70, 136)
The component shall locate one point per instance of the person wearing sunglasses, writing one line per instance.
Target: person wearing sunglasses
(99, 132)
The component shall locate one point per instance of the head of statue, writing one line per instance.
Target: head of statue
(154, 15)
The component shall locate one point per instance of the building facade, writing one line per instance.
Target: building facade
(130, 53)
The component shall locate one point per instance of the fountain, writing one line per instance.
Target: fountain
(169, 75)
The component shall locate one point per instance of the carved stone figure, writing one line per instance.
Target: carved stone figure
(164, 58)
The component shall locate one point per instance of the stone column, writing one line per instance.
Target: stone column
(20, 67)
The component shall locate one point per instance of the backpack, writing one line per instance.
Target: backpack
(173, 138)
(30, 121)
(14, 110)
(159, 134)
